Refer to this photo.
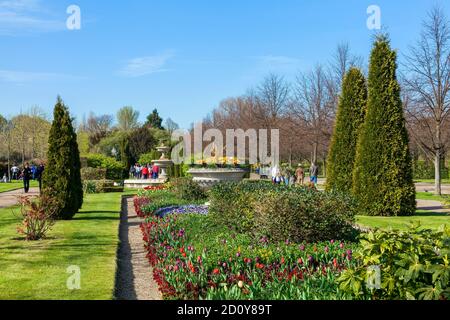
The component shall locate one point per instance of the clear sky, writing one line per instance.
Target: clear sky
(182, 57)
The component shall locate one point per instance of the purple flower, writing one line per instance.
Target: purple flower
(302, 248)
(238, 254)
(332, 241)
(327, 249)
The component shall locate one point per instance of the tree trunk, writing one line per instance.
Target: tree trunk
(437, 172)
(315, 147)
(437, 162)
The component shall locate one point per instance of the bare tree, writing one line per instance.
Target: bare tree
(98, 127)
(427, 81)
(315, 105)
(342, 61)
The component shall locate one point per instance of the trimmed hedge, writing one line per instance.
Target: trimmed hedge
(93, 174)
(100, 186)
(281, 213)
(115, 170)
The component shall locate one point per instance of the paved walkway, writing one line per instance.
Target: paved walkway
(9, 199)
(134, 280)
(431, 205)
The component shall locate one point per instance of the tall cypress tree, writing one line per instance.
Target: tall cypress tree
(382, 179)
(62, 178)
(350, 116)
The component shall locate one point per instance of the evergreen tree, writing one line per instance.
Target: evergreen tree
(350, 116)
(383, 180)
(154, 120)
(62, 178)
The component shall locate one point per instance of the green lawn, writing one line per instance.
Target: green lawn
(443, 181)
(4, 187)
(429, 196)
(37, 270)
(427, 219)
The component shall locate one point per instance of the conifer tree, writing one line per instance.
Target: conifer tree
(62, 177)
(350, 116)
(382, 179)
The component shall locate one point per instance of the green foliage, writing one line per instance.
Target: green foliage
(93, 174)
(115, 170)
(187, 189)
(350, 116)
(149, 157)
(83, 141)
(154, 120)
(382, 179)
(62, 177)
(141, 141)
(425, 170)
(280, 213)
(127, 118)
(100, 186)
(413, 265)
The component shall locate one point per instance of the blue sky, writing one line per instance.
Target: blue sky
(182, 57)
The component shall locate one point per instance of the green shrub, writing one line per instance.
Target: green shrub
(100, 186)
(350, 116)
(280, 213)
(62, 178)
(93, 174)
(425, 170)
(187, 189)
(115, 170)
(413, 265)
(383, 178)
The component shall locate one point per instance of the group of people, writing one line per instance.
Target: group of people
(282, 176)
(144, 172)
(26, 174)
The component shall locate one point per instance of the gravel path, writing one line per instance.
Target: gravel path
(134, 279)
(9, 199)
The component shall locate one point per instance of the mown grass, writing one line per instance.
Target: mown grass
(5, 187)
(38, 270)
(427, 219)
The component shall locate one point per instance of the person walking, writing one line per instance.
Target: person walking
(145, 173)
(300, 174)
(155, 172)
(132, 172)
(39, 173)
(314, 173)
(26, 175)
(15, 173)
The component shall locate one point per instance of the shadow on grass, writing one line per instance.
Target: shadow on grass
(95, 212)
(431, 214)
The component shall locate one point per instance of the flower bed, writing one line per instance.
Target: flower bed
(195, 260)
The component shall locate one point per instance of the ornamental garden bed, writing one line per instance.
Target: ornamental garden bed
(245, 245)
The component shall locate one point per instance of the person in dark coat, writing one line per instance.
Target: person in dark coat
(26, 175)
(39, 173)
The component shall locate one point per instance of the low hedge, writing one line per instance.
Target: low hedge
(282, 213)
(115, 170)
(100, 186)
(93, 174)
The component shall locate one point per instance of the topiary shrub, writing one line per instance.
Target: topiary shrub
(62, 178)
(305, 215)
(350, 116)
(281, 213)
(383, 177)
(187, 189)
